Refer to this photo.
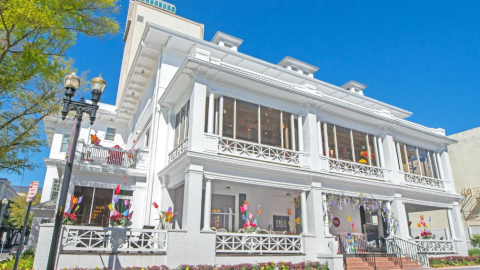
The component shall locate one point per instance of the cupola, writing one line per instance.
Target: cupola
(354, 86)
(298, 66)
(226, 40)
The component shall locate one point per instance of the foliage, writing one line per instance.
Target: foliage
(25, 262)
(474, 252)
(475, 240)
(454, 261)
(34, 37)
(18, 210)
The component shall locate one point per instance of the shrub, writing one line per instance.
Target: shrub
(475, 240)
(454, 261)
(474, 252)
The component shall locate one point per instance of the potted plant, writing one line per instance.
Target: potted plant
(69, 217)
(250, 226)
(121, 218)
(165, 218)
(425, 233)
(94, 139)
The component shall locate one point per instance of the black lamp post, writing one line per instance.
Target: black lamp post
(79, 107)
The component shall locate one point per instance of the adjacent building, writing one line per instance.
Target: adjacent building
(202, 128)
(6, 190)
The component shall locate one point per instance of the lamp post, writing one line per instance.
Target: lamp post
(71, 83)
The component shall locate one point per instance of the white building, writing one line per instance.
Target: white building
(212, 128)
(6, 190)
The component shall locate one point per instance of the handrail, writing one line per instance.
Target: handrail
(392, 251)
(412, 251)
(368, 253)
(342, 250)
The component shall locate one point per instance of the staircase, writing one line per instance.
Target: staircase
(382, 263)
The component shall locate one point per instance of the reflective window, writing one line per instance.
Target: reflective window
(65, 139)
(413, 160)
(247, 121)
(223, 212)
(331, 141)
(287, 130)
(425, 163)
(373, 150)
(228, 114)
(360, 146)
(181, 124)
(270, 127)
(344, 144)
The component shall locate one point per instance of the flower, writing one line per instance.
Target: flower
(155, 205)
(117, 190)
(126, 202)
(242, 209)
(349, 218)
(353, 225)
(419, 225)
(115, 199)
(362, 161)
(298, 220)
(422, 217)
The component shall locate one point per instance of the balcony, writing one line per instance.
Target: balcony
(424, 181)
(436, 246)
(178, 150)
(99, 155)
(355, 169)
(103, 239)
(243, 243)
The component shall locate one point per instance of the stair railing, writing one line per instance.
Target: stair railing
(412, 251)
(392, 251)
(366, 251)
(342, 249)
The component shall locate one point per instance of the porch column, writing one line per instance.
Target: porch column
(192, 199)
(208, 205)
(319, 132)
(391, 231)
(326, 219)
(325, 137)
(211, 112)
(398, 208)
(220, 116)
(440, 167)
(450, 224)
(380, 152)
(292, 123)
(304, 212)
(300, 133)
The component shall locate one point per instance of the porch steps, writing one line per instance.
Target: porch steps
(383, 263)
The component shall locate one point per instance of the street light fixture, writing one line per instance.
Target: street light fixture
(71, 83)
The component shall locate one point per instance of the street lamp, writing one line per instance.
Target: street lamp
(72, 82)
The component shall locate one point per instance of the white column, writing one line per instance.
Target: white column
(304, 212)
(451, 225)
(326, 219)
(220, 117)
(292, 120)
(380, 152)
(399, 157)
(211, 112)
(325, 142)
(440, 167)
(300, 133)
(398, 208)
(319, 132)
(391, 231)
(208, 205)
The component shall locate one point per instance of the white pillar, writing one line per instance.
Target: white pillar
(211, 112)
(326, 219)
(380, 151)
(220, 117)
(398, 208)
(304, 212)
(325, 142)
(451, 225)
(391, 231)
(292, 120)
(208, 205)
(300, 133)
(440, 167)
(399, 157)
(319, 132)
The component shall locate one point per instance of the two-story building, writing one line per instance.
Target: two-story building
(205, 129)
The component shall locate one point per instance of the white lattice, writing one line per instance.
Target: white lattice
(436, 246)
(182, 147)
(80, 238)
(345, 167)
(257, 151)
(423, 181)
(258, 243)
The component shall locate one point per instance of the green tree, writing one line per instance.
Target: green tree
(35, 35)
(18, 210)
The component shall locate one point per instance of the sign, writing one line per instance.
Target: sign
(336, 221)
(4, 237)
(280, 223)
(32, 191)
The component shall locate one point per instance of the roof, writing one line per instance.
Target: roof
(48, 205)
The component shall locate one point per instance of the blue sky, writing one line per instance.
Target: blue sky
(422, 56)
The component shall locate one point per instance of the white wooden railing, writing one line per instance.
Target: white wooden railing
(86, 238)
(436, 246)
(257, 151)
(178, 150)
(244, 243)
(424, 181)
(108, 156)
(346, 167)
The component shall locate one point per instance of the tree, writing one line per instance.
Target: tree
(35, 35)
(18, 211)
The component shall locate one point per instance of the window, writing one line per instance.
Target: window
(247, 121)
(110, 135)
(417, 160)
(55, 189)
(270, 127)
(228, 116)
(350, 145)
(181, 124)
(147, 137)
(223, 212)
(64, 146)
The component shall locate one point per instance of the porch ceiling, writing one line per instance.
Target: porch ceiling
(413, 208)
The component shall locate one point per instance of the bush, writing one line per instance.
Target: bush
(454, 261)
(25, 262)
(475, 240)
(474, 252)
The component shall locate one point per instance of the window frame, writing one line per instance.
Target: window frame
(109, 134)
(56, 184)
(431, 155)
(62, 143)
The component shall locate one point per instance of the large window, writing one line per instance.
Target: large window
(181, 124)
(416, 160)
(350, 145)
(246, 121)
(55, 189)
(110, 134)
(65, 139)
(223, 212)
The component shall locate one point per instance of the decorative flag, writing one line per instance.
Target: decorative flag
(242, 209)
(115, 212)
(117, 190)
(258, 208)
(130, 215)
(245, 206)
(76, 208)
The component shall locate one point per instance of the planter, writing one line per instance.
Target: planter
(118, 238)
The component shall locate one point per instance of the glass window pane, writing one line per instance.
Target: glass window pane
(295, 130)
(425, 162)
(287, 130)
(404, 159)
(83, 212)
(177, 128)
(223, 210)
(100, 212)
(110, 134)
(412, 160)
(228, 111)
(344, 144)
(270, 126)
(373, 152)
(55, 189)
(247, 121)
(331, 141)
(65, 139)
(360, 146)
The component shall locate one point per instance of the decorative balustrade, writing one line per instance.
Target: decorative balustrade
(346, 167)
(257, 151)
(258, 243)
(108, 156)
(436, 246)
(178, 150)
(423, 181)
(83, 238)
